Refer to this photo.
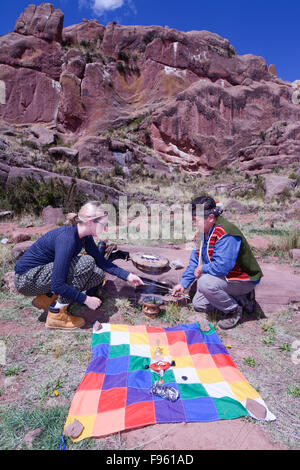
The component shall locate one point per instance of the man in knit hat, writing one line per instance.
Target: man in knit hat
(223, 265)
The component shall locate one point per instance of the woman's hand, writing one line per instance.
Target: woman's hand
(134, 280)
(177, 290)
(92, 302)
(198, 272)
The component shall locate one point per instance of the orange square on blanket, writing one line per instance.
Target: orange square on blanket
(158, 339)
(179, 349)
(109, 422)
(203, 361)
(232, 374)
(85, 403)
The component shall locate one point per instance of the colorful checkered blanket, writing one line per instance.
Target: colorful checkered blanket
(114, 393)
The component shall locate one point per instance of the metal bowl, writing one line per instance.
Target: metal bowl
(149, 263)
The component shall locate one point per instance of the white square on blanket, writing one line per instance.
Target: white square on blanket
(119, 337)
(140, 350)
(189, 374)
(219, 390)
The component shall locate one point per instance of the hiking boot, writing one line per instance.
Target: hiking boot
(230, 320)
(43, 301)
(60, 319)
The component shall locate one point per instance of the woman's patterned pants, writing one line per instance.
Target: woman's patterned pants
(83, 274)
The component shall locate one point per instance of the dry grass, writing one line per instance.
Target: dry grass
(271, 370)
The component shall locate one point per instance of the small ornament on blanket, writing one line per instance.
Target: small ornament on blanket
(160, 364)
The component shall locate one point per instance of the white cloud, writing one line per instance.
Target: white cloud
(100, 6)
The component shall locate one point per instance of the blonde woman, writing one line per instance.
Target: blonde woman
(53, 270)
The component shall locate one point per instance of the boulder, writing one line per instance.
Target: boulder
(64, 152)
(76, 66)
(30, 52)
(20, 248)
(91, 190)
(275, 185)
(259, 243)
(262, 165)
(42, 21)
(53, 215)
(235, 206)
(272, 70)
(6, 214)
(31, 96)
(84, 32)
(8, 282)
(44, 136)
(94, 151)
(295, 255)
(74, 62)
(18, 237)
(71, 111)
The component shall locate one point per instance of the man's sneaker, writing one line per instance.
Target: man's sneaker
(60, 319)
(44, 300)
(231, 319)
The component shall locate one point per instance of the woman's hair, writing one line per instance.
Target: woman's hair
(89, 211)
(209, 206)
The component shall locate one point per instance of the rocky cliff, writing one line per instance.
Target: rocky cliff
(134, 93)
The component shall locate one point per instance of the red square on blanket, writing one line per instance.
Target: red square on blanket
(112, 399)
(198, 348)
(175, 336)
(92, 381)
(223, 360)
(140, 414)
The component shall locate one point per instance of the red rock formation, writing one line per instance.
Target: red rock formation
(189, 96)
(42, 21)
(86, 31)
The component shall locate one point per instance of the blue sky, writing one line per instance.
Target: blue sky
(264, 28)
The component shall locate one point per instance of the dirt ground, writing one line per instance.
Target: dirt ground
(42, 369)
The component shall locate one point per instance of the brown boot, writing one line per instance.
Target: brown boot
(60, 319)
(43, 301)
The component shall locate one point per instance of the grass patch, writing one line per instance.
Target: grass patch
(174, 314)
(32, 196)
(294, 391)
(250, 361)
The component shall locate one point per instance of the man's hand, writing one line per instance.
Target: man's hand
(177, 290)
(92, 302)
(198, 272)
(134, 280)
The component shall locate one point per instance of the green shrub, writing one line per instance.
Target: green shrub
(263, 135)
(32, 196)
(120, 67)
(117, 170)
(123, 56)
(30, 144)
(149, 37)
